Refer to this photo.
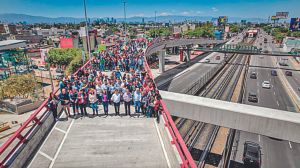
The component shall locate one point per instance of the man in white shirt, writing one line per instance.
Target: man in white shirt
(127, 97)
(116, 98)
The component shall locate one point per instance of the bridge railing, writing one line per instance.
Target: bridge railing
(10, 149)
(184, 153)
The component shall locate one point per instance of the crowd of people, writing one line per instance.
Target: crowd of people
(115, 77)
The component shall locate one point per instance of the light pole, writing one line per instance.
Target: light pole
(155, 24)
(86, 30)
(125, 34)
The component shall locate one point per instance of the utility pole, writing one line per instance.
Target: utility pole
(155, 24)
(125, 34)
(86, 30)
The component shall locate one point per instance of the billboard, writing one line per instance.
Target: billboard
(295, 24)
(222, 20)
(274, 18)
(214, 21)
(66, 42)
(282, 15)
(227, 29)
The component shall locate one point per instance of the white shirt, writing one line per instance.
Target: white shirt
(116, 98)
(127, 97)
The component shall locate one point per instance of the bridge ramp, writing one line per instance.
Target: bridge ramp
(106, 141)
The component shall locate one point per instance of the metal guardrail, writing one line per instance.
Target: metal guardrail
(18, 135)
(184, 153)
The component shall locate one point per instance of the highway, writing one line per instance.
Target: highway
(275, 153)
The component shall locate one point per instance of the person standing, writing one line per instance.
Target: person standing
(127, 97)
(105, 101)
(116, 98)
(65, 101)
(82, 102)
(73, 100)
(52, 104)
(137, 97)
(93, 101)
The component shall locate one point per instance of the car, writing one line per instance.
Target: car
(207, 60)
(59, 76)
(218, 57)
(42, 68)
(253, 75)
(252, 97)
(252, 154)
(266, 85)
(34, 66)
(273, 72)
(59, 70)
(288, 73)
(283, 63)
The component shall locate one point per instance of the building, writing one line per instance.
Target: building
(28, 38)
(183, 28)
(50, 32)
(12, 29)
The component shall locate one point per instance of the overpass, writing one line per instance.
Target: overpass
(264, 121)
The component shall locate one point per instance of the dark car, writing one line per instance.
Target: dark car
(218, 57)
(252, 97)
(288, 73)
(252, 154)
(273, 72)
(34, 67)
(59, 70)
(253, 75)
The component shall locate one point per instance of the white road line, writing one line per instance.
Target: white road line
(61, 144)
(258, 138)
(277, 103)
(274, 93)
(47, 156)
(290, 145)
(162, 143)
(60, 130)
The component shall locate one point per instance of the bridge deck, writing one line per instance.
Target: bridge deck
(105, 141)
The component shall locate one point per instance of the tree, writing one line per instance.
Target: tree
(18, 85)
(62, 57)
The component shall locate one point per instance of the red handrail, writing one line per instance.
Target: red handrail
(18, 133)
(183, 151)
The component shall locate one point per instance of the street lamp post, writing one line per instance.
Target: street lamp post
(155, 24)
(125, 34)
(86, 30)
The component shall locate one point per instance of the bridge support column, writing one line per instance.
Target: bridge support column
(161, 59)
(181, 54)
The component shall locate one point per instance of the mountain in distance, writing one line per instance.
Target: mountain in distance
(16, 18)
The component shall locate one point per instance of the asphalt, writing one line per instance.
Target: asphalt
(275, 153)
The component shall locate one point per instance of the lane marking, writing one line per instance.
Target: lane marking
(45, 155)
(277, 103)
(258, 138)
(290, 145)
(162, 143)
(274, 93)
(60, 130)
(61, 144)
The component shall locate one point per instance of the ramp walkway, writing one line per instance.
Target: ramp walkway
(106, 141)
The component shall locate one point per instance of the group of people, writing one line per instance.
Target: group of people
(115, 76)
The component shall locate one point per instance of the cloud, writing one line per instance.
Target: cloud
(185, 13)
(164, 14)
(139, 15)
(214, 9)
(199, 12)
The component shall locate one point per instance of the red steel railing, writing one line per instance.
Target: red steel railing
(185, 155)
(23, 138)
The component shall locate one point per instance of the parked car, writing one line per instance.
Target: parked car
(266, 85)
(59, 70)
(288, 73)
(273, 72)
(252, 154)
(34, 66)
(252, 97)
(207, 60)
(253, 75)
(42, 68)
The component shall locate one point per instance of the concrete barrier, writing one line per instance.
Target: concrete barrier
(264, 121)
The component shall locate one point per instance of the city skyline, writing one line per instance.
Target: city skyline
(114, 8)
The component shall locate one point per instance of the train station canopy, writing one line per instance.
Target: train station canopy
(11, 44)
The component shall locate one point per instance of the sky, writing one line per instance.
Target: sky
(144, 8)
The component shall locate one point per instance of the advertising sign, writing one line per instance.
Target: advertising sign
(222, 20)
(295, 24)
(274, 18)
(227, 29)
(214, 21)
(282, 15)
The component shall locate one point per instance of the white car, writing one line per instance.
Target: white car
(207, 60)
(266, 84)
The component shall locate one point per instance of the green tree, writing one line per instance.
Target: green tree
(62, 57)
